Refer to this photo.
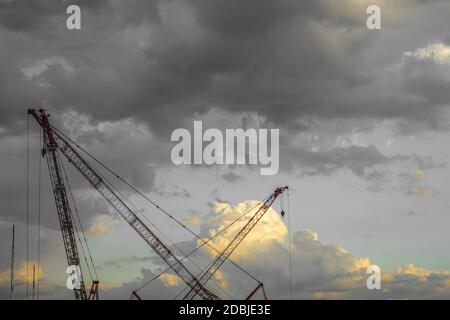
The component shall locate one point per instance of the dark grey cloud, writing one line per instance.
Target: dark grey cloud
(355, 158)
(162, 63)
(248, 19)
(411, 214)
(427, 80)
(27, 16)
(119, 262)
(156, 291)
(41, 18)
(285, 60)
(280, 59)
(361, 160)
(232, 177)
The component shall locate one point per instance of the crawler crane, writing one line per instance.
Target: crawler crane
(55, 144)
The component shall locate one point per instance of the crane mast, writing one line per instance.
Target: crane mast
(53, 142)
(62, 203)
(221, 258)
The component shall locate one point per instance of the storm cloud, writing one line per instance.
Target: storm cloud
(364, 119)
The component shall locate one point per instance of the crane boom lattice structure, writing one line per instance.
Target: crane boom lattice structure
(221, 258)
(62, 203)
(54, 142)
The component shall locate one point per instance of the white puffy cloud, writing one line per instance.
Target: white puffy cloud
(21, 274)
(170, 280)
(269, 229)
(438, 52)
(320, 271)
(101, 225)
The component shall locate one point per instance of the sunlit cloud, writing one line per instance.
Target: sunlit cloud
(321, 271)
(191, 221)
(421, 191)
(270, 228)
(101, 226)
(170, 280)
(21, 275)
(437, 52)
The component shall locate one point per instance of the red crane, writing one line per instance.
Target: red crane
(221, 258)
(62, 203)
(54, 142)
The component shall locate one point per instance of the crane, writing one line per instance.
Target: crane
(222, 257)
(54, 142)
(62, 203)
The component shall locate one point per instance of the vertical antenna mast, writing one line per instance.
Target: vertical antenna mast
(34, 281)
(11, 296)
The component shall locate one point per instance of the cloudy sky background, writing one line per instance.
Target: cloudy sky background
(364, 119)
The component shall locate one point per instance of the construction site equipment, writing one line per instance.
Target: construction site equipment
(53, 141)
(220, 259)
(11, 294)
(55, 144)
(50, 149)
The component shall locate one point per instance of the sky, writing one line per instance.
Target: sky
(363, 117)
